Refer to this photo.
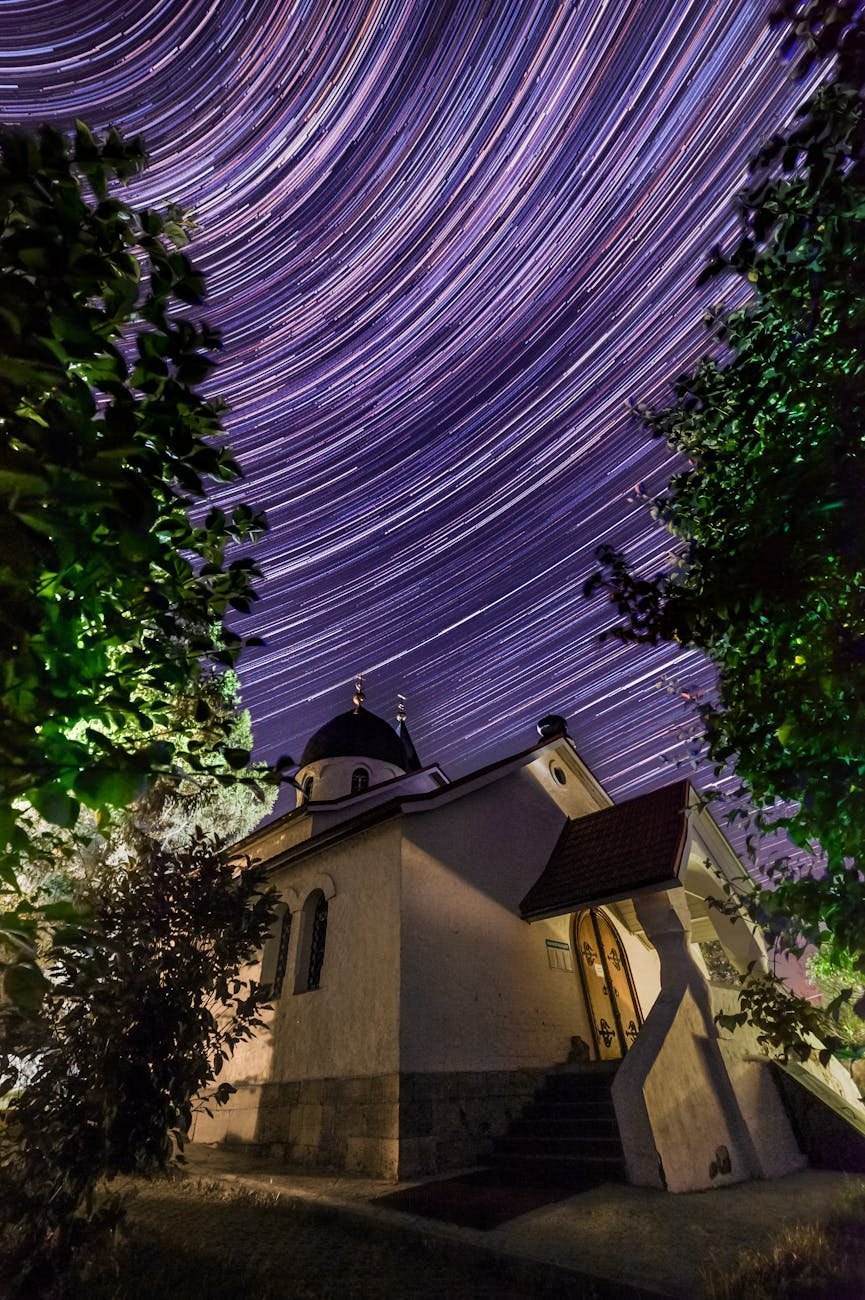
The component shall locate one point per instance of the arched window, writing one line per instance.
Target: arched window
(274, 958)
(307, 786)
(281, 955)
(359, 780)
(313, 935)
(317, 941)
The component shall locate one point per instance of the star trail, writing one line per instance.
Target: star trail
(447, 242)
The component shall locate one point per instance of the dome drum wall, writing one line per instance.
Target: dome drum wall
(334, 778)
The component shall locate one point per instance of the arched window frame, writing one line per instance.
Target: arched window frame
(317, 942)
(283, 945)
(312, 938)
(359, 780)
(276, 952)
(308, 785)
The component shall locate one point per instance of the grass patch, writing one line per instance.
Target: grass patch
(820, 1261)
(189, 1238)
(202, 1239)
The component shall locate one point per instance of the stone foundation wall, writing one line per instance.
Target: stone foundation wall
(448, 1121)
(390, 1126)
(350, 1124)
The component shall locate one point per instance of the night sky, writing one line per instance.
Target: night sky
(447, 243)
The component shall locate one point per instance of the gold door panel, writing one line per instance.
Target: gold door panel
(610, 996)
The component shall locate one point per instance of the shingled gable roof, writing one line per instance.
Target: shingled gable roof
(614, 853)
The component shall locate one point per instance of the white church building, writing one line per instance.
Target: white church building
(507, 969)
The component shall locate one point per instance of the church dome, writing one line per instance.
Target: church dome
(356, 734)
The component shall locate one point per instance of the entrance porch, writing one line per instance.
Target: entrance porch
(695, 1107)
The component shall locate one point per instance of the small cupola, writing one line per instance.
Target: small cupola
(351, 753)
(551, 726)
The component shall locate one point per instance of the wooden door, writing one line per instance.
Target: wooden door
(611, 999)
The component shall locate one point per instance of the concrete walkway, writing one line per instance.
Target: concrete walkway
(628, 1240)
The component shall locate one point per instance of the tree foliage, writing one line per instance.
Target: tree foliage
(143, 1007)
(227, 804)
(768, 513)
(110, 595)
(125, 931)
(840, 984)
(787, 1026)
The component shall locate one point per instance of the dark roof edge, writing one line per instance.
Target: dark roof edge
(506, 762)
(686, 828)
(544, 914)
(685, 832)
(414, 763)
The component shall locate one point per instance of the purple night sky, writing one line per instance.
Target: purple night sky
(447, 241)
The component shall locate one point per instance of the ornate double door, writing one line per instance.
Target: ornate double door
(611, 999)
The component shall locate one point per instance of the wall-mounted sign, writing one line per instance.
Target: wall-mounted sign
(559, 955)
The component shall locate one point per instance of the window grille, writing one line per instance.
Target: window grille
(317, 940)
(281, 956)
(359, 780)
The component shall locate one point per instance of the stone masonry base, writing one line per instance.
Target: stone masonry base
(390, 1126)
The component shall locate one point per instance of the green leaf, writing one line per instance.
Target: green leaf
(84, 141)
(25, 986)
(14, 481)
(61, 910)
(110, 788)
(55, 804)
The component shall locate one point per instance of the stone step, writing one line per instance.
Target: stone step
(579, 1085)
(607, 1147)
(553, 1111)
(567, 1135)
(581, 1126)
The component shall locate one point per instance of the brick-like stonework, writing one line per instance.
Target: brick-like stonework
(350, 1124)
(448, 1121)
(391, 1126)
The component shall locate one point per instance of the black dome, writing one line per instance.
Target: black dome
(362, 735)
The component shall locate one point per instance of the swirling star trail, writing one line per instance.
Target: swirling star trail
(447, 242)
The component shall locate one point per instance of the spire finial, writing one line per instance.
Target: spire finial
(400, 708)
(358, 696)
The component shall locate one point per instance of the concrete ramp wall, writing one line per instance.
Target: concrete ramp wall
(829, 1127)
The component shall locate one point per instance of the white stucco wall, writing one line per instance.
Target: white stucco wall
(348, 1026)
(429, 967)
(478, 992)
(281, 835)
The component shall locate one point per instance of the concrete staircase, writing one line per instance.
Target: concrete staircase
(567, 1136)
